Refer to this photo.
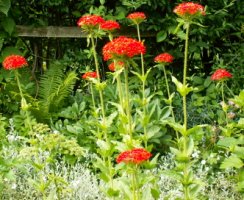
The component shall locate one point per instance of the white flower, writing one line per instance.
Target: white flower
(14, 186)
(11, 138)
(195, 155)
(203, 162)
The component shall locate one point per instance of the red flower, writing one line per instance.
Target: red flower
(123, 47)
(14, 62)
(88, 75)
(110, 25)
(113, 67)
(135, 156)
(137, 17)
(90, 21)
(220, 74)
(189, 10)
(164, 58)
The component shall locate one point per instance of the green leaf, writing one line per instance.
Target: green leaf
(152, 131)
(190, 146)
(182, 89)
(102, 2)
(176, 126)
(207, 82)
(166, 111)
(232, 162)
(8, 25)
(10, 50)
(5, 6)
(161, 36)
(227, 142)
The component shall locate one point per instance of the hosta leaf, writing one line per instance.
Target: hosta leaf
(232, 162)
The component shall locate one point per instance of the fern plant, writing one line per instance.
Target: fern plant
(55, 87)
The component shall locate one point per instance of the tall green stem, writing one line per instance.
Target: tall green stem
(18, 83)
(93, 99)
(224, 106)
(185, 137)
(109, 163)
(127, 104)
(135, 191)
(170, 100)
(185, 73)
(95, 56)
(97, 70)
(143, 88)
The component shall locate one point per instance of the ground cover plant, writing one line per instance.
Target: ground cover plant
(138, 130)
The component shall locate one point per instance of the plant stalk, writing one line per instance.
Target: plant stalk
(170, 102)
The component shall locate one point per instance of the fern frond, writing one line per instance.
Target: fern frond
(55, 87)
(64, 90)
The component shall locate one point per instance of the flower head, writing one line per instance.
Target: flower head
(134, 156)
(123, 47)
(14, 62)
(137, 17)
(88, 22)
(89, 75)
(110, 25)
(116, 65)
(189, 10)
(164, 58)
(220, 74)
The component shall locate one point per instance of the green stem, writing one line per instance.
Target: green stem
(170, 100)
(100, 91)
(185, 137)
(92, 94)
(127, 104)
(185, 73)
(223, 99)
(134, 184)
(138, 32)
(18, 83)
(95, 56)
(103, 111)
(143, 89)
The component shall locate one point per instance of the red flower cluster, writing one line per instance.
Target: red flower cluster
(90, 21)
(123, 47)
(189, 10)
(220, 74)
(14, 62)
(88, 75)
(137, 17)
(113, 66)
(110, 25)
(164, 58)
(134, 156)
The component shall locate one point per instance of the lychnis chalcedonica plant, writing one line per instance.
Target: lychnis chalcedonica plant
(119, 53)
(187, 13)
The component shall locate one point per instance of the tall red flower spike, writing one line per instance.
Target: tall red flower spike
(113, 66)
(89, 75)
(134, 156)
(137, 17)
(123, 47)
(14, 62)
(189, 10)
(164, 58)
(110, 25)
(90, 21)
(221, 74)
